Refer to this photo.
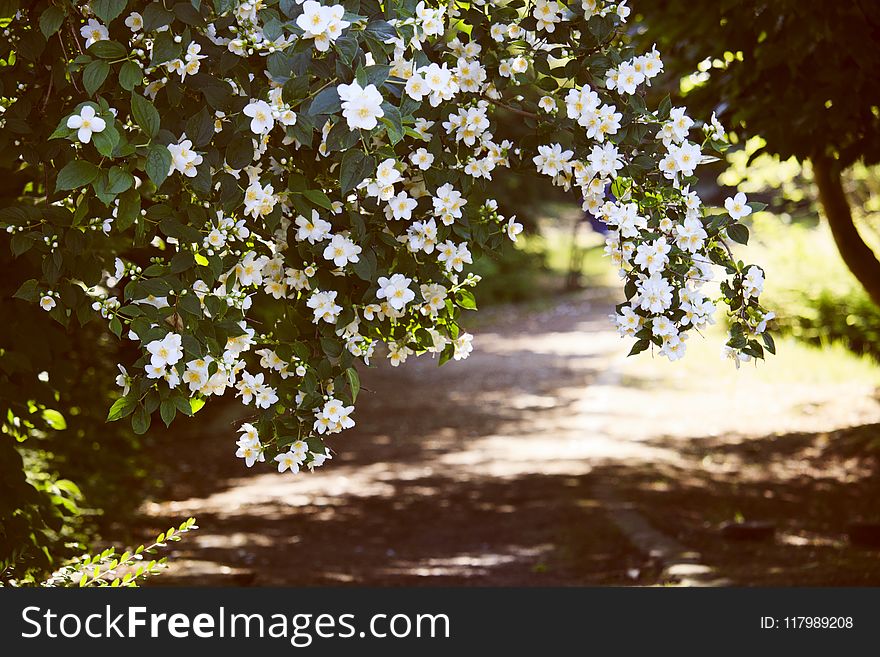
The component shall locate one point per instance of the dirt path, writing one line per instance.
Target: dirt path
(486, 471)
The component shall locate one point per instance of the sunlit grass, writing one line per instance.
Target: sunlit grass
(795, 362)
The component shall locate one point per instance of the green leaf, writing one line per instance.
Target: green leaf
(354, 169)
(54, 419)
(757, 206)
(108, 50)
(639, 347)
(94, 75)
(465, 299)
(140, 420)
(107, 10)
(319, 198)
(50, 20)
(167, 410)
(158, 164)
(200, 127)
(129, 209)
(119, 180)
(121, 408)
(393, 123)
(28, 291)
(76, 174)
(365, 267)
(146, 116)
(326, 102)
(381, 30)
(164, 48)
(20, 244)
(130, 75)
(355, 382)
(182, 404)
(156, 16)
(188, 14)
(106, 140)
(738, 233)
(240, 152)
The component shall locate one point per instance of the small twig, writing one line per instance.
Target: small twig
(515, 110)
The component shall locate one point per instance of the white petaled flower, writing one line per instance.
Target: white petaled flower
(47, 302)
(262, 120)
(421, 158)
(395, 290)
(85, 123)
(135, 22)
(341, 251)
(167, 351)
(93, 31)
(288, 461)
(313, 230)
(184, 158)
(513, 228)
(738, 206)
(753, 282)
(361, 106)
(401, 206)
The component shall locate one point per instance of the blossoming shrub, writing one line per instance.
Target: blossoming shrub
(259, 194)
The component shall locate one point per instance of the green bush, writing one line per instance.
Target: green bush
(814, 295)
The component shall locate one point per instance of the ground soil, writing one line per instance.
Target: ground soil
(487, 472)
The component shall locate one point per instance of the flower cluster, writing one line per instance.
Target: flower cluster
(297, 189)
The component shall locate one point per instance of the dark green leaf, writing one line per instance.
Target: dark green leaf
(108, 50)
(76, 174)
(130, 75)
(50, 20)
(158, 164)
(146, 116)
(140, 420)
(94, 75)
(107, 10)
(738, 233)
(326, 102)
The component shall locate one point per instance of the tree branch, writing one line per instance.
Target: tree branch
(858, 256)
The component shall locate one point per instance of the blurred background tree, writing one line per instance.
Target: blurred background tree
(800, 74)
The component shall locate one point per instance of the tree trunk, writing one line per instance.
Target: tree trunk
(857, 255)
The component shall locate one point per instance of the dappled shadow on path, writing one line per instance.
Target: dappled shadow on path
(484, 472)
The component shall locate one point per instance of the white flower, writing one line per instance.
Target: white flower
(324, 307)
(753, 282)
(262, 120)
(463, 346)
(288, 461)
(395, 290)
(341, 251)
(513, 228)
(250, 449)
(184, 159)
(628, 323)
(361, 106)
(655, 294)
(402, 206)
(134, 22)
(422, 159)
(94, 31)
(651, 256)
(454, 257)
(85, 123)
(314, 229)
(605, 160)
(167, 351)
(47, 302)
(737, 207)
